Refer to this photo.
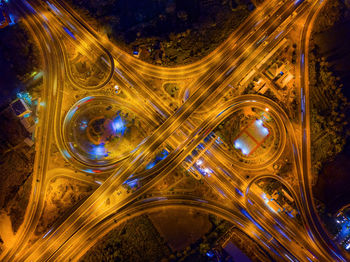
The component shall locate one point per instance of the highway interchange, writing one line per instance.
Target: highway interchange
(180, 132)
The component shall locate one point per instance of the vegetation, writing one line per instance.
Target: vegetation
(166, 32)
(16, 163)
(136, 240)
(172, 89)
(328, 112)
(18, 204)
(331, 14)
(62, 195)
(19, 57)
(328, 104)
(16, 40)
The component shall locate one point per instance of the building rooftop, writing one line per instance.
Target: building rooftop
(19, 107)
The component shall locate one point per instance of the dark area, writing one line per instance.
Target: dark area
(333, 183)
(167, 32)
(16, 164)
(18, 58)
(139, 240)
(136, 240)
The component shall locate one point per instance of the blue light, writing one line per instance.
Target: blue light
(238, 223)
(290, 214)
(208, 137)
(99, 151)
(48, 232)
(131, 183)
(25, 96)
(26, 115)
(245, 213)
(54, 8)
(29, 7)
(65, 153)
(297, 2)
(165, 153)
(69, 33)
(220, 191)
(83, 125)
(205, 171)
(150, 165)
(264, 131)
(70, 113)
(237, 144)
(12, 19)
(45, 18)
(157, 159)
(187, 94)
(282, 233)
(105, 61)
(118, 125)
(277, 36)
(210, 254)
(239, 191)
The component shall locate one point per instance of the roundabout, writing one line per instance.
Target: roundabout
(100, 131)
(254, 136)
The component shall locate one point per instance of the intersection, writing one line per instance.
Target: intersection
(190, 127)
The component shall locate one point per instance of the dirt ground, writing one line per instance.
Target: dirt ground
(180, 227)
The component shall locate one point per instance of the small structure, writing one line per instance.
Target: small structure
(283, 81)
(287, 196)
(275, 195)
(20, 108)
(29, 141)
(28, 123)
(251, 137)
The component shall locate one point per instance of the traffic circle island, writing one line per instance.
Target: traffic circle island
(100, 131)
(253, 136)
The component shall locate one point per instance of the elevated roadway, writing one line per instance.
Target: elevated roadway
(227, 65)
